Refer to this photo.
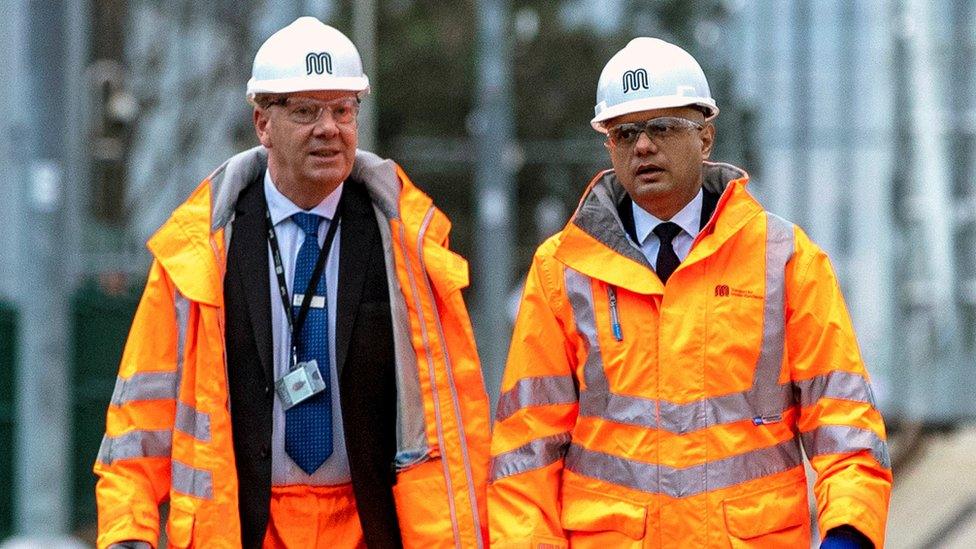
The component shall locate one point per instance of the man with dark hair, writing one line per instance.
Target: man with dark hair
(677, 351)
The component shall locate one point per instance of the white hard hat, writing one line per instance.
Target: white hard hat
(650, 74)
(307, 55)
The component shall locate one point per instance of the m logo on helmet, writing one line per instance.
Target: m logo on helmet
(318, 63)
(635, 80)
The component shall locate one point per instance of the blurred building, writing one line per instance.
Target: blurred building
(864, 133)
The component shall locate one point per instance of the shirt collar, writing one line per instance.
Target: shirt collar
(281, 207)
(689, 219)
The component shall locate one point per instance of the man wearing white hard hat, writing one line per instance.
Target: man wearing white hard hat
(677, 352)
(301, 371)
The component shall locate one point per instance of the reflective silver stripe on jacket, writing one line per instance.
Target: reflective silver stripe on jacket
(687, 481)
(535, 454)
(135, 444)
(192, 422)
(838, 385)
(182, 306)
(186, 479)
(536, 391)
(679, 418)
(766, 390)
(191, 481)
(731, 408)
(145, 386)
(579, 290)
(844, 439)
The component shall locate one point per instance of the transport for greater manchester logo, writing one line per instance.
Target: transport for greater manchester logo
(724, 290)
(635, 80)
(318, 63)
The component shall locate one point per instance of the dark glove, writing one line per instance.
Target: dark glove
(845, 537)
(131, 545)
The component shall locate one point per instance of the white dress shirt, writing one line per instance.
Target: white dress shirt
(689, 219)
(290, 237)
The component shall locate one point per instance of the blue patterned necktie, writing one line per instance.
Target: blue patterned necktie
(308, 424)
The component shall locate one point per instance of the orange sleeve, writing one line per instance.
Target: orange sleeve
(536, 413)
(842, 430)
(133, 463)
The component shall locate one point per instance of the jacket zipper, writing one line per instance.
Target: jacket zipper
(618, 333)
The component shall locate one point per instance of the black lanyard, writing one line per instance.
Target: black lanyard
(296, 324)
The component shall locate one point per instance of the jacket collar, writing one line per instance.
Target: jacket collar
(188, 242)
(595, 243)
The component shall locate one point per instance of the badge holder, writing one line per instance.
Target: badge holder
(303, 382)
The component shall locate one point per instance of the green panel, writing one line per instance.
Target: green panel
(8, 364)
(99, 326)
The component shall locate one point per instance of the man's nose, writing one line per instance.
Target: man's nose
(644, 144)
(326, 125)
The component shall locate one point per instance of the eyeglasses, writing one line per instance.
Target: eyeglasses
(657, 129)
(308, 111)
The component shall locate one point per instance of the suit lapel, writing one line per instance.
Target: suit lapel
(355, 237)
(249, 237)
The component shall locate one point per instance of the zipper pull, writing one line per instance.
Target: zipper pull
(618, 333)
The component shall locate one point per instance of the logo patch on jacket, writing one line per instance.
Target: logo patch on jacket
(723, 290)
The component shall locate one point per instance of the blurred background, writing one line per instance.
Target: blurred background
(855, 118)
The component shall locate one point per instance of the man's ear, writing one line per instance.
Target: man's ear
(261, 122)
(707, 140)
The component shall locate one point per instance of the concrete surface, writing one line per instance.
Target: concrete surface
(933, 504)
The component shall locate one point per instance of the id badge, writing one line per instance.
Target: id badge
(300, 384)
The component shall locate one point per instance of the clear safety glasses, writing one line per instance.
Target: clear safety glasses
(303, 110)
(658, 130)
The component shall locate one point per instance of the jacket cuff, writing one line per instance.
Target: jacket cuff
(850, 536)
(855, 513)
(127, 536)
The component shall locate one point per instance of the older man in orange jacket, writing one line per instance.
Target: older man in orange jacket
(301, 371)
(677, 351)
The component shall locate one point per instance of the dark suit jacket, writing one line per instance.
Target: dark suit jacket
(364, 358)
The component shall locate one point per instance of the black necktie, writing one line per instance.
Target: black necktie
(667, 260)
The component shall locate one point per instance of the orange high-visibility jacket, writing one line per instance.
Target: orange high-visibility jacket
(634, 416)
(168, 432)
